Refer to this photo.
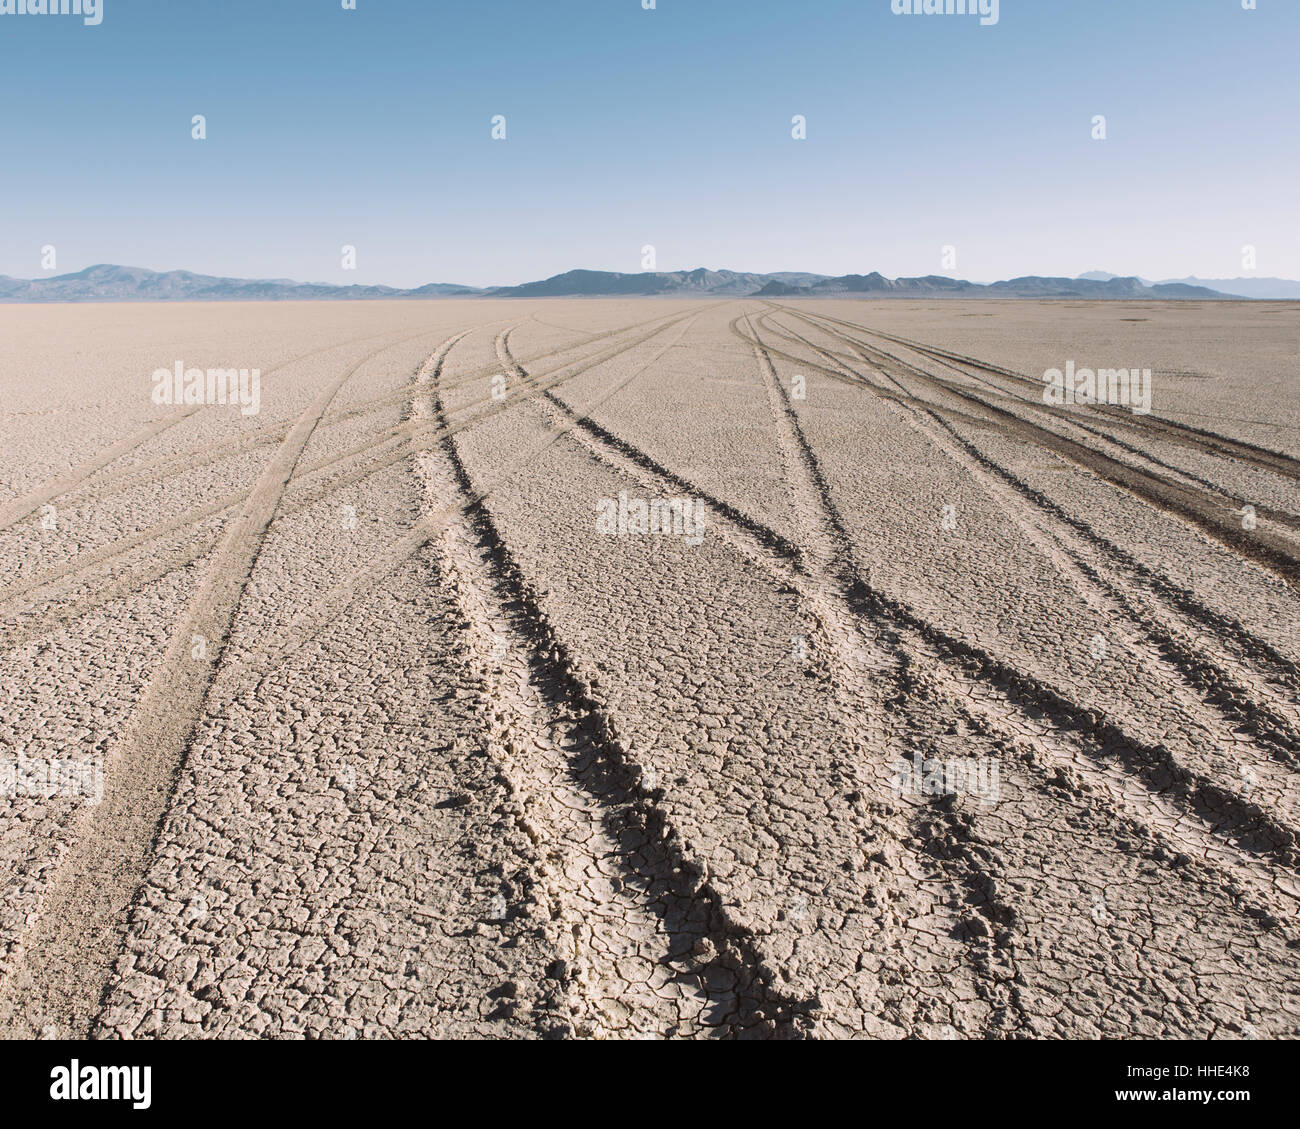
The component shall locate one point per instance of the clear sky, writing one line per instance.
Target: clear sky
(669, 127)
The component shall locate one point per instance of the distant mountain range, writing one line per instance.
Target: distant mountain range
(135, 284)
(937, 286)
(1233, 287)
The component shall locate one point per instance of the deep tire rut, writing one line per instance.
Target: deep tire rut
(643, 944)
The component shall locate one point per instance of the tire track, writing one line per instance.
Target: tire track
(16, 510)
(1060, 422)
(1003, 704)
(873, 667)
(1247, 644)
(1234, 692)
(68, 957)
(407, 430)
(1008, 704)
(1064, 766)
(1227, 815)
(1271, 550)
(197, 514)
(429, 525)
(1211, 442)
(871, 676)
(1066, 423)
(583, 421)
(923, 688)
(952, 841)
(1229, 633)
(642, 940)
(648, 946)
(206, 454)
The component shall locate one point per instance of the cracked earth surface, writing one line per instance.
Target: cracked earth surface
(938, 713)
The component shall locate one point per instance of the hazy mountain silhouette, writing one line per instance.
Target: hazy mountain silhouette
(107, 283)
(1261, 288)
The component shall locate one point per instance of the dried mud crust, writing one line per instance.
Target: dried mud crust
(460, 763)
(643, 946)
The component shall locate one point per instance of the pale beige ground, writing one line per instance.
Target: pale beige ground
(396, 742)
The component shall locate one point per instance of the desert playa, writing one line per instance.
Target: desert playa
(928, 707)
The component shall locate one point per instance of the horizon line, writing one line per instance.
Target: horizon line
(286, 280)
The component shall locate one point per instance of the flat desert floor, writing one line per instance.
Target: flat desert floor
(627, 669)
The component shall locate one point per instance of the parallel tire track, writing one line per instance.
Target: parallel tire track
(89, 487)
(1229, 633)
(15, 510)
(68, 957)
(1269, 549)
(429, 525)
(1230, 825)
(1235, 692)
(583, 421)
(865, 666)
(871, 666)
(593, 812)
(1214, 443)
(406, 432)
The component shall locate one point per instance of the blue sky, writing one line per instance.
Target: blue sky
(669, 127)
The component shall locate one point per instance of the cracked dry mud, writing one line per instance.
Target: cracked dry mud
(391, 738)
